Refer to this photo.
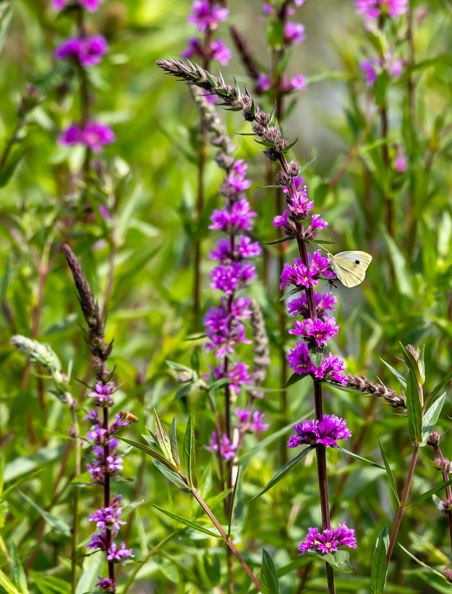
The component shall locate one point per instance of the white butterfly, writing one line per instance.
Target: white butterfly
(350, 267)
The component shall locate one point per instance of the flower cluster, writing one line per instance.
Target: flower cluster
(329, 540)
(93, 135)
(89, 5)
(325, 432)
(390, 65)
(105, 463)
(206, 16)
(372, 9)
(85, 51)
(316, 327)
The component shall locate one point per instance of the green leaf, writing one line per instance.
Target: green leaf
(400, 267)
(269, 578)
(92, 568)
(173, 440)
(389, 472)
(352, 455)
(163, 438)
(5, 19)
(171, 475)
(17, 571)
(10, 166)
(428, 494)
(189, 523)
(283, 471)
(156, 454)
(189, 452)
(57, 523)
(398, 375)
(415, 364)
(379, 568)
(24, 465)
(231, 506)
(48, 584)
(7, 585)
(414, 408)
(430, 418)
(340, 560)
(294, 379)
(276, 241)
(437, 389)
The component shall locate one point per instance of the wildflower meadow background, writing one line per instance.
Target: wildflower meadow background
(226, 296)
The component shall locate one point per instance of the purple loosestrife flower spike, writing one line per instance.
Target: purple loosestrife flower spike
(105, 457)
(372, 9)
(325, 432)
(329, 540)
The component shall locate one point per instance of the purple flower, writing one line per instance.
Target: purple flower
(244, 417)
(331, 368)
(238, 375)
(325, 432)
(96, 135)
(88, 51)
(221, 52)
(317, 330)
(298, 203)
(400, 164)
(206, 14)
(298, 82)
(373, 8)
(97, 542)
(113, 464)
(118, 554)
(96, 434)
(102, 392)
(93, 417)
(89, 5)
(71, 135)
(299, 359)
(194, 48)
(237, 176)
(263, 83)
(244, 248)
(294, 33)
(371, 74)
(306, 276)
(106, 584)
(230, 278)
(267, 8)
(329, 540)
(107, 518)
(227, 449)
(322, 301)
(238, 217)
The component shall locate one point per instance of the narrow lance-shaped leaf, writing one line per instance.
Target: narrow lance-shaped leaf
(414, 407)
(430, 418)
(379, 568)
(283, 471)
(189, 523)
(173, 440)
(189, 452)
(155, 454)
(269, 578)
(428, 494)
(170, 474)
(389, 472)
(163, 438)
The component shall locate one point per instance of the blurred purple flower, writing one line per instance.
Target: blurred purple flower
(329, 540)
(372, 9)
(89, 5)
(118, 554)
(227, 449)
(95, 135)
(294, 33)
(88, 51)
(220, 52)
(206, 14)
(298, 82)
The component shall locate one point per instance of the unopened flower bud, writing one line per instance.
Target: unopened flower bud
(184, 377)
(293, 169)
(433, 439)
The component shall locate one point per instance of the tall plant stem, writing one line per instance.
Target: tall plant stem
(403, 501)
(277, 57)
(226, 539)
(75, 497)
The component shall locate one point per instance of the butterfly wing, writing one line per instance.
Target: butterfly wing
(350, 267)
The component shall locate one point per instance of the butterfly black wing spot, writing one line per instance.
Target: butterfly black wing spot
(357, 261)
